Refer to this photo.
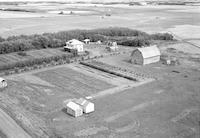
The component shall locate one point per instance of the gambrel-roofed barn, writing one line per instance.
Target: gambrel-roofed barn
(145, 55)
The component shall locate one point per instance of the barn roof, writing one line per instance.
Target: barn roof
(150, 51)
(74, 42)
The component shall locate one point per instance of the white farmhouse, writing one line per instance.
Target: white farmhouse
(74, 109)
(145, 55)
(74, 44)
(3, 83)
(87, 106)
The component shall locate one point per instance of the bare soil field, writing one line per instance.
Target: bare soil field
(42, 93)
(146, 18)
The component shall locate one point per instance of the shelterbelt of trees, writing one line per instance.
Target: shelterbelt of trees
(125, 36)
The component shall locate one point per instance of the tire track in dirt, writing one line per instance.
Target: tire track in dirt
(118, 115)
(10, 127)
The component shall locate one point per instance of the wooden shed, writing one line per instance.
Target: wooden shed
(3, 83)
(74, 109)
(87, 106)
(145, 55)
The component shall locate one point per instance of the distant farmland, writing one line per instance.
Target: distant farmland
(146, 18)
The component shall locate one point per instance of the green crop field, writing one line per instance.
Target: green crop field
(14, 57)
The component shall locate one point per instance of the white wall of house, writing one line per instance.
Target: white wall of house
(79, 47)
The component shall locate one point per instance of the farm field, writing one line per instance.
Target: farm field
(151, 101)
(180, 20)
(42, 93)
(165, 107)
(13, 58)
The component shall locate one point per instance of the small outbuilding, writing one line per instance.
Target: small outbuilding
(3, 83)
(87, 41)
(74, 109)
(112, 46)
(145, 55)
(87, 106)
(143, 3)
(74, 45)
(99, 42)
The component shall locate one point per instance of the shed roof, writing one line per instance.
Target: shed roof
(73, 106)
(86, 40)
(147, 52)
(82, 102)
(74, 42)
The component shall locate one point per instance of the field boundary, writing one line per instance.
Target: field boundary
(130, 75)
(118, 89)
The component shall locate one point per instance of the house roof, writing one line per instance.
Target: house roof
(147, 52)
(73, 105)
(74, 42)
(2, 79)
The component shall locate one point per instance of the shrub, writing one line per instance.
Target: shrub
(22, 53)
(164, 36)
(137, 42)
(2, 39)
(16, 70)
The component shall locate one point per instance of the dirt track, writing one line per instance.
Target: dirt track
(10, 127)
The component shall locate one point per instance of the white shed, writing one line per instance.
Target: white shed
(87, 106)
(3, 83)
(74, 45)
(145, 55)
(74, 109)
(87, 41)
